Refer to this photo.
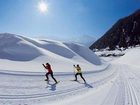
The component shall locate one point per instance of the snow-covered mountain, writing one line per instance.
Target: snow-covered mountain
(27, 54)
(124, 33)
(86, 40)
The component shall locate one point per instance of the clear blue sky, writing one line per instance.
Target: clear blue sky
(65, 18)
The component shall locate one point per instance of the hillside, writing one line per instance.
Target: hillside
(125, 33)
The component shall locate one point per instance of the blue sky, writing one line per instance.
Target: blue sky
(65, 19)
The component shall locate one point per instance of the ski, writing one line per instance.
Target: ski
(79, 81)
(57, 82)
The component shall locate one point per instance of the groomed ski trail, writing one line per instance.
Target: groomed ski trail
(117, 84)
(125, 90)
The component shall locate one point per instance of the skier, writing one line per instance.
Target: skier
(79, 72)
(48, 67)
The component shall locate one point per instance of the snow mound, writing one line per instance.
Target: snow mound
(13, 47)
(53, 46)
(131, 57)
(28, 53)
(84, 52)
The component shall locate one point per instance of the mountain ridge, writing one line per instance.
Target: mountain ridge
(124, 33)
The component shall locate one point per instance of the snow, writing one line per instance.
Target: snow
(13, 48)
(82, 51)
(106, 53)
(115, 81)
(131, 57)
(28, 54)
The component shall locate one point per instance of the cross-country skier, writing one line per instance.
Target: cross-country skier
(48, 67)
(79, 72)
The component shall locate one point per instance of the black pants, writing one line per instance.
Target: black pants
(51, 76)
(80, 75)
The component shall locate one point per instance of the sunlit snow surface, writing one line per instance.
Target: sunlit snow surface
(114, 82)
(20, 53)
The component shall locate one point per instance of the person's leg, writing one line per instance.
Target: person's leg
(82, 77)
(47, 78)
(53, 77)
(76, 76)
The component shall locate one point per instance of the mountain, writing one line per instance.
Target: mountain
(86, 40)
(19, 51)
(125, 33)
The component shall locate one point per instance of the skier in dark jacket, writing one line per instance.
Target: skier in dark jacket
(48, 67)
(79, 72)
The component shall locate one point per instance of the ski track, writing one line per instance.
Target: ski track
(65, 89)
(125, 88)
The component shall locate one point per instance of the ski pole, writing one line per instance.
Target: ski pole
(74, 70)
(44, 68)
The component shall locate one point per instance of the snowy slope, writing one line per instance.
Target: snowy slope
(27, 54)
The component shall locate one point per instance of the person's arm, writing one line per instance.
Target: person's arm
(74, 66)
(44, 65)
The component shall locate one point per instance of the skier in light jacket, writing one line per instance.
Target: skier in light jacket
(79, 72)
